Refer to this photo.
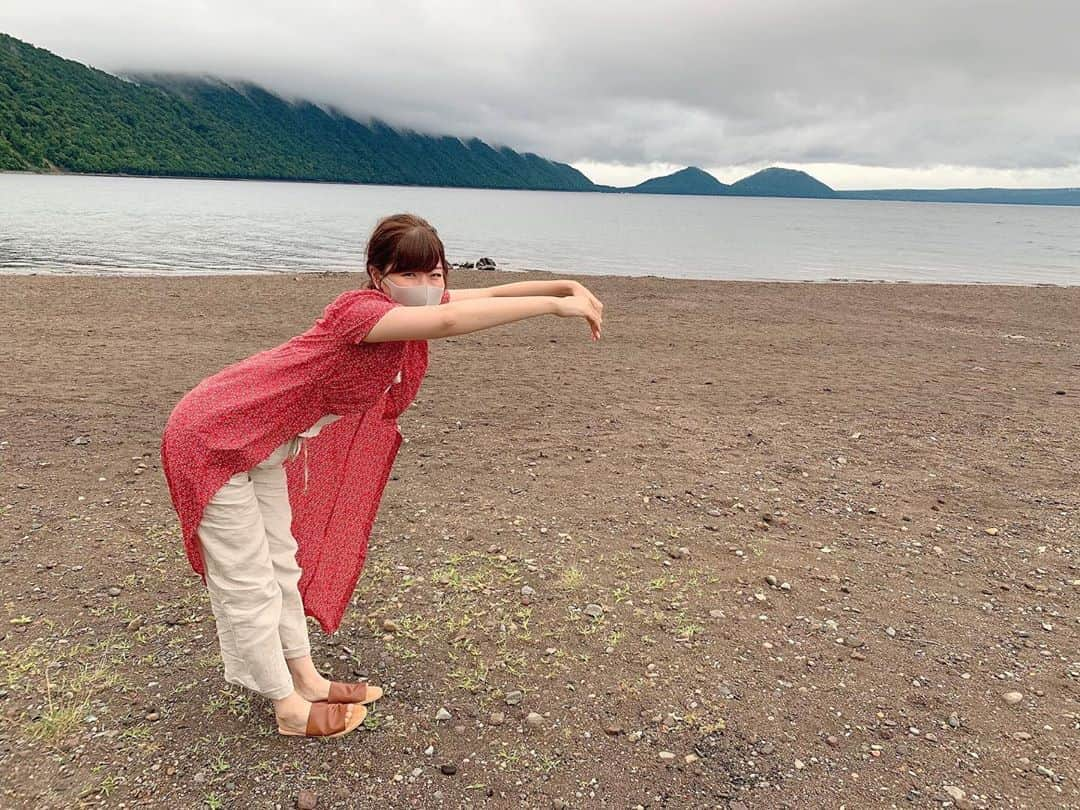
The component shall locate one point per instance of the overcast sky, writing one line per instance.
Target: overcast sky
(861, 93)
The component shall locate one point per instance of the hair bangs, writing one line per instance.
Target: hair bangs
(418, 250)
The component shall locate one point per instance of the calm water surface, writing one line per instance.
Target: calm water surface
(80, 224)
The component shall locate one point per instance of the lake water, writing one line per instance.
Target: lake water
(82, 224)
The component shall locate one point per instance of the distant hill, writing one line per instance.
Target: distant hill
(776, 182)
(690, 180)
(771, 182)
(58, 114)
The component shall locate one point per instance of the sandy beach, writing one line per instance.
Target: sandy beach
(764, 546)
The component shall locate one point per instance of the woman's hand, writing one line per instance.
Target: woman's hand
(584, 305)
(577, 288)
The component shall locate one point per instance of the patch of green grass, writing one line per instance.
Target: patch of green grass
(65, 677)
(471, 678)
(571, 579)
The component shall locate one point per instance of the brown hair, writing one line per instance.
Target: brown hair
(405, 242)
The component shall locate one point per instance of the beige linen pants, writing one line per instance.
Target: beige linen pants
(252, 576)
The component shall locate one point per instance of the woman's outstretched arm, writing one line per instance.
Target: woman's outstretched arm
(472, 315)
(559, 287)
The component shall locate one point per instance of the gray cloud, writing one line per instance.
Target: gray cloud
(979, 83)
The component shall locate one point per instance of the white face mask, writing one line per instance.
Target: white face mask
(419, 296)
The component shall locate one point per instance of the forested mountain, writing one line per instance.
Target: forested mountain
(55, 113)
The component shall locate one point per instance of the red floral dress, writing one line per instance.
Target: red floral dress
(234, 419)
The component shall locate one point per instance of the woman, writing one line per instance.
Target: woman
(276, 464)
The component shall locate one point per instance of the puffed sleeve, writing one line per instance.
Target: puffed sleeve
(353, 314)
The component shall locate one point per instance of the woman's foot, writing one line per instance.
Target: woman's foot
(312, 686)
(306, 679)
(294, 716)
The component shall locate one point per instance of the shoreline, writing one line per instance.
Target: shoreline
(152, 274)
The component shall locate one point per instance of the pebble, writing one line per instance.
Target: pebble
(497, 719)
(442, 715)
(135, 624)
(991, 531)
(954, 720)
(667, 756)
(114, 591)
(799, 764)
(678, 553)
(1023, 736)
(429, 750)
(513, 698)
(1012, 698)
(832, 740)
(613, 729)
(772, 581)
(527, 592)
(306, 800)
(534, 719)
(716, 614)
(448, 768)
(389, 626)
(593, 611)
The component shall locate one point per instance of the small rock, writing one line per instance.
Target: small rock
(954, 720)
(853, 641)
(1012, 698)
(448, 768)
(513, 697)
(114, 591)
(80, 440)
(1022, 736)
(716, 614)
(527, 592)
(496, 719)
(306, 800)
(429, 750)
(992, 532)
(832, 740)
(593, 611)
(389, 626)
(534, 719)
(613, 729)
(799, 764)
(442, 715)
(484, 263)
(771, 580)
(135, 624)
(690, 759)
(667, 756)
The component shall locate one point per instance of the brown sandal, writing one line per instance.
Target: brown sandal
(328, 720)
(353, 693)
